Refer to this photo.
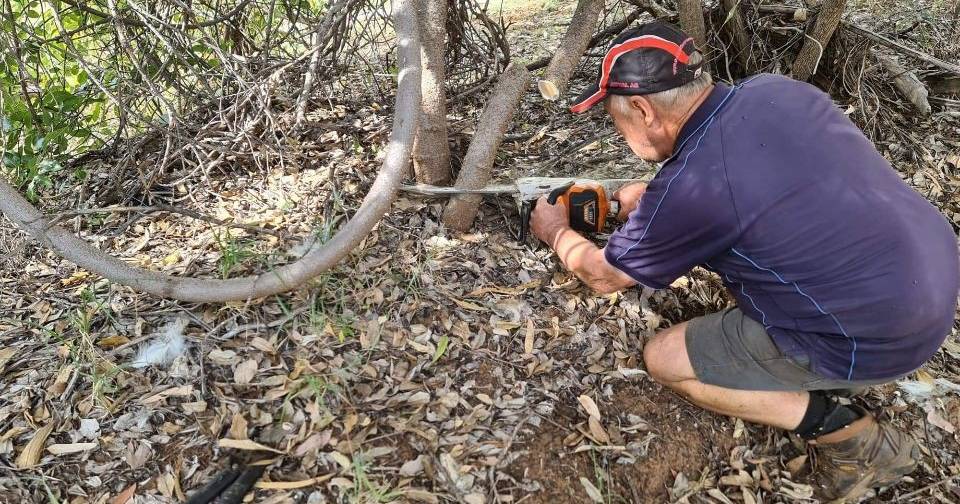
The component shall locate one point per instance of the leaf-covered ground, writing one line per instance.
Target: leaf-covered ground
(428, 366)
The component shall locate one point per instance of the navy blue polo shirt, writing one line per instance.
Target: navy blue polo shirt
(810, 228)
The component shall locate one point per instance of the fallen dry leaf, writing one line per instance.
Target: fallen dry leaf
(597, 431)
(59, 384)
(796, 464)
(68, 448)
(528, 339)
(589, 406)
(421, 495)
(238, 427)
(5, 355)
(181, 391)
(935, 418)
(592, 491)
(245, 372)
(717, 494)
(112, 341)
(245, 444)
(125, 495)
(290, 485)
(31, 453)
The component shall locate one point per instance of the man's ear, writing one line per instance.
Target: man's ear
(642, 107)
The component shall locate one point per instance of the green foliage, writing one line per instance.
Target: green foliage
(233, 252)
(365, 491)
(72, 75)
(48, 107)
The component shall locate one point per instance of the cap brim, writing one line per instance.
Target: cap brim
(588, 98)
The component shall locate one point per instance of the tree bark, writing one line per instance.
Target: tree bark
(571, 48)
(906, 83)
(477, 163)
(691, 22)
(431, 152)
(815, 44)
(291, 276)
(737, 31)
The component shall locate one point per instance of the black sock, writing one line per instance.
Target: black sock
(824, 415)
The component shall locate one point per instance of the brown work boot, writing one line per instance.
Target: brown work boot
(863, 455)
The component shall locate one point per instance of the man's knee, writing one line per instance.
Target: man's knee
(665, 356)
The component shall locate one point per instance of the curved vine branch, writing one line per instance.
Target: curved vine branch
(319, 259)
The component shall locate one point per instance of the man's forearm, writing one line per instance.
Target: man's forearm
(587, 261)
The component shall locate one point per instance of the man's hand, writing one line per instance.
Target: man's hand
(628, 196)
(551, 224)
(546, 220)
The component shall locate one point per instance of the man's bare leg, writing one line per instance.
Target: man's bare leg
(668, 363)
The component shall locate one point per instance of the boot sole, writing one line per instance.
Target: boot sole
(854, 494)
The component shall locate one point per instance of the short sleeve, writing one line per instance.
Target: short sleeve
(685, 218)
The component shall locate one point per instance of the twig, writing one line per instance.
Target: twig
(928, 487)
(164, 208)
(259, 325)
(880, 39)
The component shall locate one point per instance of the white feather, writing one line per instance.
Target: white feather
(164, 347)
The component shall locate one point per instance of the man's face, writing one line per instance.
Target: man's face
(641, 128)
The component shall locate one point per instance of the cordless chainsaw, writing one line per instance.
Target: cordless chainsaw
(588, 201)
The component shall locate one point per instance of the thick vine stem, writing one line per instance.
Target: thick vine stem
(319, 259)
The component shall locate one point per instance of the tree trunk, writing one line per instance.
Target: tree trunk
(738, 34)
(291, 276)
(431, 152)
(691, 22)
(477, 163)
(571, 48)
(815, 44)
(906, 82)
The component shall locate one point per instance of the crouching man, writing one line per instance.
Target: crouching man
(843, 275)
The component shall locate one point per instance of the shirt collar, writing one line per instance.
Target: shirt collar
(702, 114)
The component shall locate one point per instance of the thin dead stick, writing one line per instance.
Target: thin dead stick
(880, 39)
(164, 208)
(259, 325)
(928, 487)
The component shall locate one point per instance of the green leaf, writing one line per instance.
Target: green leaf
(441, 347)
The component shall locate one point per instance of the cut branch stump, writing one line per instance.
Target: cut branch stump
(477, 163)
(571, 49)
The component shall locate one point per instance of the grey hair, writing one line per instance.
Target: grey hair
(670, 100)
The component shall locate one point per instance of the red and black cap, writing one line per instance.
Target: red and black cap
(652, 58)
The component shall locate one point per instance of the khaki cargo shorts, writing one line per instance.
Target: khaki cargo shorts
(729, 349)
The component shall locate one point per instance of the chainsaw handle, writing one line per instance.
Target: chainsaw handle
(559, 191)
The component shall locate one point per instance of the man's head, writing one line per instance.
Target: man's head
(650, 81)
